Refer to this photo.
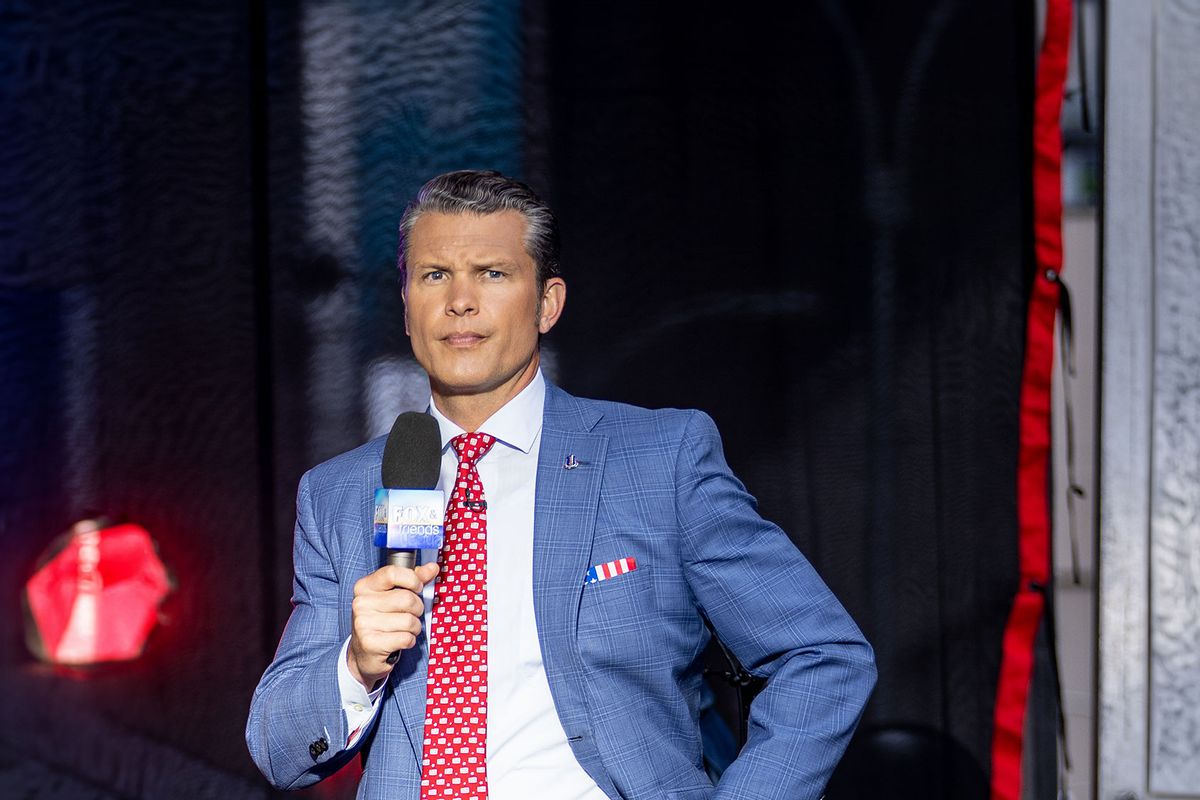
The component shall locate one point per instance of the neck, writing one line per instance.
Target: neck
(469, 411)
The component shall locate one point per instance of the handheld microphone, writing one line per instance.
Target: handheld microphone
(409, 512)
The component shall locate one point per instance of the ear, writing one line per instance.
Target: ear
(554, 297)
(404, 305)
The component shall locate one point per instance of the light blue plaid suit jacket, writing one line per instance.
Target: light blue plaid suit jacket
(622, 655)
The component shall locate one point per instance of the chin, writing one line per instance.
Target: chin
(466, 382)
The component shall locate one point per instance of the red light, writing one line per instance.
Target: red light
(95, 596)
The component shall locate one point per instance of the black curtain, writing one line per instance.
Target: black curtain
(811, 221)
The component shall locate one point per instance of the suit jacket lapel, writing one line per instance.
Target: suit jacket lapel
(564, 522)
(408, 692)
(563, 527)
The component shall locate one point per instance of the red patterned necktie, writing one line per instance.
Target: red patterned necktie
(454, 763)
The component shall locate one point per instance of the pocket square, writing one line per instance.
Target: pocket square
(602, 572)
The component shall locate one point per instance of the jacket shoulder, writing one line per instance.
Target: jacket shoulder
(637, 418)
(632, 423)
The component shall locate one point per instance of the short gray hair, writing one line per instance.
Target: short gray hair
(479, 192)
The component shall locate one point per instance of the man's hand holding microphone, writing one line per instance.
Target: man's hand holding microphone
(387, 611)
(385, 618)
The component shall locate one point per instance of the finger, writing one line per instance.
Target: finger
(393, 602)
(389, 577)
(384, 624)
(379, 645)
(405, 578)
(377, 581)
(427, 572)
(371, 659)
(371, 634)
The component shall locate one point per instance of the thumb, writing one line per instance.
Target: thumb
(426, 572)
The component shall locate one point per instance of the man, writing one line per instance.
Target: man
(586, 544)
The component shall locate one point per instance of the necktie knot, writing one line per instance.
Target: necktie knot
(471, 447)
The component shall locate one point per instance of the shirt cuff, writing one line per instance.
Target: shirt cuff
(358, 704)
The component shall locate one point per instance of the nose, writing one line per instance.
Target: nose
(462, 299)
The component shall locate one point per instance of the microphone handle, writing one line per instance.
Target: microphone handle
(400, 558)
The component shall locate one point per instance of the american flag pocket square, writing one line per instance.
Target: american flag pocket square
(602, 572)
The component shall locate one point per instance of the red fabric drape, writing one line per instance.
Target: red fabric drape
(1033, 506)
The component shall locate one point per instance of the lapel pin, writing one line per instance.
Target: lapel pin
(571, 462)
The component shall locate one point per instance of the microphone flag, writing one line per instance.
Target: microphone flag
(409, 519)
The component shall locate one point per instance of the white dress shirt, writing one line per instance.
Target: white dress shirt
(527, 750)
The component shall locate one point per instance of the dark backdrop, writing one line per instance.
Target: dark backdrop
(811, 222)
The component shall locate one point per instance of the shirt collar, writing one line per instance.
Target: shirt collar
(516, 423)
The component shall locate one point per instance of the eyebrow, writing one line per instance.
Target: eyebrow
(482, 265)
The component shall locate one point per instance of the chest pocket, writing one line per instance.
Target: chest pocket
(618, 616)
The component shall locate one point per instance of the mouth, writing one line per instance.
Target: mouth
(463, 338)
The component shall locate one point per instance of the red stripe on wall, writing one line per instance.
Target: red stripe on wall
(1033, 504)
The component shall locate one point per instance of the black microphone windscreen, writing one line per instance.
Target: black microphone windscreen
(412, 457)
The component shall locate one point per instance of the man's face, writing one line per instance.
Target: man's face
(472, 307)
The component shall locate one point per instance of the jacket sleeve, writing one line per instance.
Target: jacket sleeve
(296, 731)
(770, 607)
